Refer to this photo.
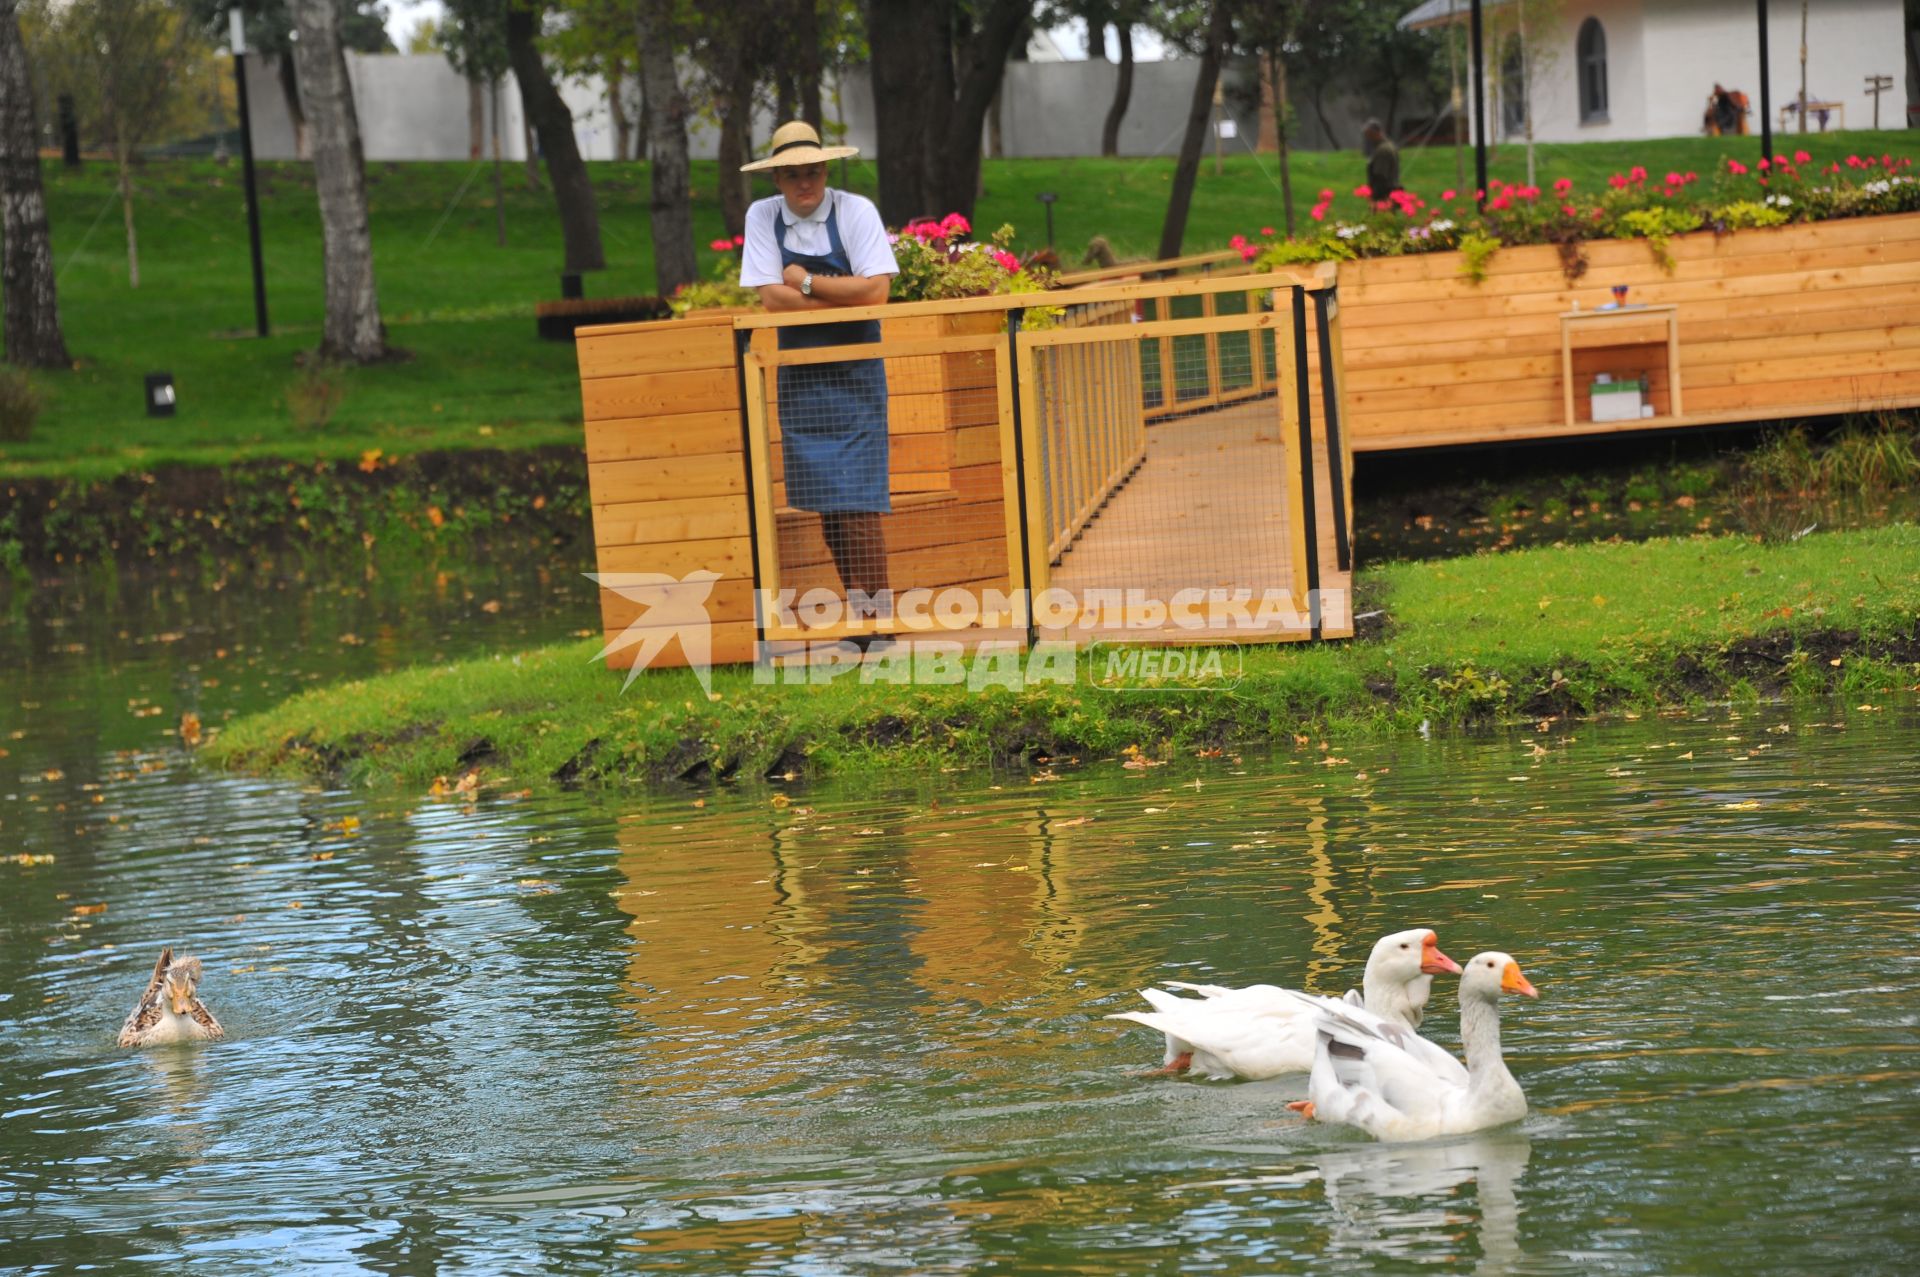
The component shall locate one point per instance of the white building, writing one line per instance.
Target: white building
(1646, 68)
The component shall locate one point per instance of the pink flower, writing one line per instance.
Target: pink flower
(1563, 187)
(1637, 174)
(1568, 209)
(739, 241)
(1326, 195)
(1853, 161)
(1249, 252)
(1318, 212)
(1834, 167)
(1801, 157)
(1617, 182)
(721, 246)
(1363, 192)
(1736, 168)
(955, 224)
(1692, 176)
(1267, 231)
(1005, 260)
(1238, 241)
(1502, 202)
(1447, 196)
(1765, 164)
(1674, 179)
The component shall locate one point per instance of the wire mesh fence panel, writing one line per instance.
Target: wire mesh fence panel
(1183, 527)
(885, 507)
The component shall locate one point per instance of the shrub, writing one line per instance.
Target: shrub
(19, 405)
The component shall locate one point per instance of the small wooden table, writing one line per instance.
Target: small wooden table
(1573, 320)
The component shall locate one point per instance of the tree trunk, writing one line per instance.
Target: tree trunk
(1320, 113)
(352, 330)
(1122, 92)
(806, 62)
(937, 89)
(735, 106)
(572, 189)
(1277, 75)
(290, 91)
(32, 322)
(617, 107)
(1199, 111)
(529, 149)
(499, 183)
(670, 209)
(476, 118)
(123, 159)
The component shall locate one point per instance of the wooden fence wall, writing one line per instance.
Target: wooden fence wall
(1784, 322)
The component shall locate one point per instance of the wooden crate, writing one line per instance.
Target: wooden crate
(1783, 322)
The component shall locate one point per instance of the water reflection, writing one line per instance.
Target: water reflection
(1455, 1198)
(864, 1029)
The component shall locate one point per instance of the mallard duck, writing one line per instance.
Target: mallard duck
(1369, 1078)
(1264, 1031)
(170, 1010)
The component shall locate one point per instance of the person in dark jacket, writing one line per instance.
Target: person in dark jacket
(1383, 161)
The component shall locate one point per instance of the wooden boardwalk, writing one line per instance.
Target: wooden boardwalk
(1209, 509)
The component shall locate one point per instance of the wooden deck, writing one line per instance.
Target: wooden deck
(1209, 509)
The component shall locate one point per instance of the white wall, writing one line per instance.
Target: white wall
(1556, 90)
(1693, 43)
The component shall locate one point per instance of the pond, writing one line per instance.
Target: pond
(854, 1028)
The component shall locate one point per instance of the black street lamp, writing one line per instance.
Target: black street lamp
(237, 24)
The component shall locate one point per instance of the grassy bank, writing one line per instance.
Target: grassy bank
(1554, 632)
(462, 305)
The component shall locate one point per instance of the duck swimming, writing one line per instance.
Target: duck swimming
(1263, 1031)
(171, 1010)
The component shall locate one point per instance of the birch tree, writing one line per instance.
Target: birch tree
(32, 326)
(670, 205)
(352, 331)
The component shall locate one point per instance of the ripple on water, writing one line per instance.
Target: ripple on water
(864, 1032)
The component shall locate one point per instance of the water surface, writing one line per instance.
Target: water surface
(860, 1030)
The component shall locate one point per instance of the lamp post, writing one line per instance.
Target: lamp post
(1047, 198)
(237, 25)
(1479, 103)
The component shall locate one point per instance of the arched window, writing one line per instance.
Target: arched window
(1513, 87)
(1592, 55)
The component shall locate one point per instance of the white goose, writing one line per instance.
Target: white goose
(1264, 1031)
(1372, 1078)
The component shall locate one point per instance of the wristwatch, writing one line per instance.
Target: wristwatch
(806, 286)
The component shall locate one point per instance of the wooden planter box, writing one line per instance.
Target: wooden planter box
(1785, 322)
(667, 468)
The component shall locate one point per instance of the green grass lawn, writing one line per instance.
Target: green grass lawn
(1560, 630)
(464, 305)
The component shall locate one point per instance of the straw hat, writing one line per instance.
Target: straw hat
(795, 144)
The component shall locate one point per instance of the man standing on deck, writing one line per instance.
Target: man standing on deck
(814, 248)
(1383, 161)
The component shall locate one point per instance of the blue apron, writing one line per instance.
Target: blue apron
(833, 417)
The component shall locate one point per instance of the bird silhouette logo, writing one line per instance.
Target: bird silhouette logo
(672, 608)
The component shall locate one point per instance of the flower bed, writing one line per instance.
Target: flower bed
(938, 260)
(1792, 189)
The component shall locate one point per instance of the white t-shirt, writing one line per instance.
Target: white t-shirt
(861, 231)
